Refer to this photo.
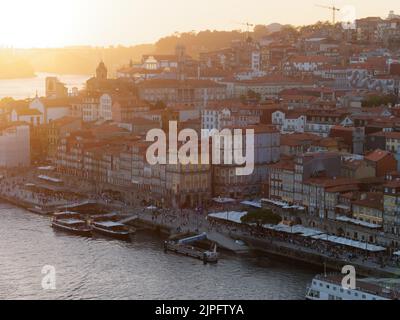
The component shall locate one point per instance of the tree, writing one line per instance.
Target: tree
(379, 100)
(263, 216)
(252, 95)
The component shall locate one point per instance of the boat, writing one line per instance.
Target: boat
(184, 247)
(74, 226)
(329, 287)
(67, 215)
(112, 229)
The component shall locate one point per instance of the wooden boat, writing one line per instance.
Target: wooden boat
(74, 226)
(112, 229)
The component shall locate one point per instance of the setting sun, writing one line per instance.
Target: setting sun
(46, 23)
(40, 23)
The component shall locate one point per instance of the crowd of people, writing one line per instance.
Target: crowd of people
(319, 246)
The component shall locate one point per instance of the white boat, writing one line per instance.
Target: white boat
(113, 229)
(75, 226)
(329, 287)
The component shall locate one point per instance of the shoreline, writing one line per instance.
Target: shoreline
(228, 242)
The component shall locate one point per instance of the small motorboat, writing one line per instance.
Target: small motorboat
(112, 229)
(74, 226)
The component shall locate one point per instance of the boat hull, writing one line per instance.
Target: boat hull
(125, 236)
(75, 231)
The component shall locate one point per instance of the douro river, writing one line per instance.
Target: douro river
(99, 268)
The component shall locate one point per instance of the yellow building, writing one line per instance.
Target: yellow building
(369, 208)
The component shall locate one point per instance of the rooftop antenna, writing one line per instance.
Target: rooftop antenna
(334, 10)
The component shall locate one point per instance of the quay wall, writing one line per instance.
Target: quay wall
(302, 254)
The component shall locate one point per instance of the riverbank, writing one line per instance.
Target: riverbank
(170, 222)
(103, 268)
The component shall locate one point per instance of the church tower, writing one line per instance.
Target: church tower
(101, 71)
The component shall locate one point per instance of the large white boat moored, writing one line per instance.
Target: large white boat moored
(329, 287)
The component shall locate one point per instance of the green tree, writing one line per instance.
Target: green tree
(261, 216)
(379, 100)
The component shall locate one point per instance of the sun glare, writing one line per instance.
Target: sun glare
(40, 23)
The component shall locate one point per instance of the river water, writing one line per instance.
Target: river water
(99, 268)
(27, 87)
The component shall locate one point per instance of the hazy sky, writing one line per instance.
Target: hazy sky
(52, 23)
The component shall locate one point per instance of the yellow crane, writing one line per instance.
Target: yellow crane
(334, 10)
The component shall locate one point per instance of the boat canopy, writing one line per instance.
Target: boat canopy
(71, 221)
(65, 213)
(109, 224)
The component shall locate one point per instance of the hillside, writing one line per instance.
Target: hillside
(12, 66)
(84, 59)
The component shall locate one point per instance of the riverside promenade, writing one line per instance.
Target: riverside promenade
(237, 239)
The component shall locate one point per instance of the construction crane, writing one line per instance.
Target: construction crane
(334, 10)
(248, 25)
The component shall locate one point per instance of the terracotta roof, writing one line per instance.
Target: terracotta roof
(372, 200)
(377, 155)
(286, 164)
(331, 182)
(172, 83)
(64, 121)
(312, 59)
(296, 139)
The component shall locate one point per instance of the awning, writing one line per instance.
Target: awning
(350, 243)
(232, 216)
(343, 207)
(297, 229)
(358, 222)
(255, 204)
(50, 179)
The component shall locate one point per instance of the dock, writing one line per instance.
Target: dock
(184, 247)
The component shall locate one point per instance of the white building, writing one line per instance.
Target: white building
(288, 122)
(90, 109)
(15, 145)
(211, 118)
(32, 116)
(105, 107)
(256, 61)
(51, 109)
